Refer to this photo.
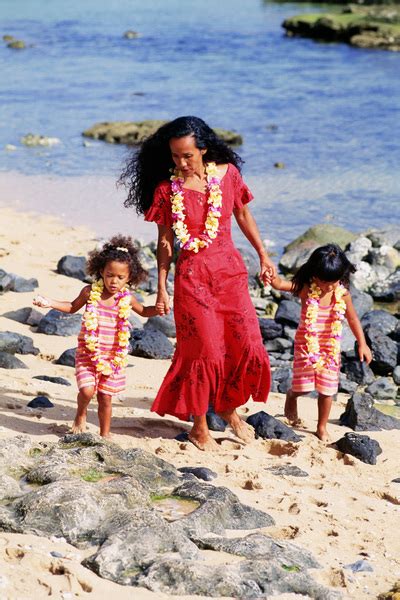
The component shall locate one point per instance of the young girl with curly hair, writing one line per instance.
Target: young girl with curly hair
(322, 285)
(101, 356)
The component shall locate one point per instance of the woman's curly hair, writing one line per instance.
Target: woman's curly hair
(152, 164)
(121, 249)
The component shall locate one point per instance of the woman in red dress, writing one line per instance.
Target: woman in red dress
(220, 358)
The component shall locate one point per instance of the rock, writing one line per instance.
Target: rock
(282, 380)
(324, 234)
(278, 345)
(40, 402)
(379, 320)
(32, 139)
(357, 371)
(384, 351)
(382, 389)
(363, 302)
(200, 472)
(16, 343)
(288, 470)
(58, 323)
(360, 415)
(270, 329)
(279, 165)
(215, 422)
(296, 256)
(58, 380)
(268, 427)
(150, 343)
(360, 446)
(131, 35)
(252, 265)
(9, 361)
(8, 38)
(358, 249)
(21, 285)
(16, 44)
(134, 133)
(348, 340)
(67, 358)
(6, 281)
(359, 566)
(396, 375)
(388, 235)
(346, 385)
(387, 289)
(165, 324)
(288, 313)
(73, 266)
(27, 315)
(150, 285)
(393, 594)
(385, 256)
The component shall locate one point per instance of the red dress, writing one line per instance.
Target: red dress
(220, 357)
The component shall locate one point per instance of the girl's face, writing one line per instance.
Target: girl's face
(326, 286)
(115, 276)
(186, 156)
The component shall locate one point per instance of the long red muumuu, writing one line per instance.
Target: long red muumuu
(220, 358)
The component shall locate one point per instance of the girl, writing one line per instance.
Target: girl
(322, 286)
(103, 341)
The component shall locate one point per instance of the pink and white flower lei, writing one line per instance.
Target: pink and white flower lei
(91, 330)
(316, 357)
(186, 241)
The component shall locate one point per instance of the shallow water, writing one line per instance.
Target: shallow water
(335, 108)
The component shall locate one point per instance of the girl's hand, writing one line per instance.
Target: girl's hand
(162, 303)
(267, 270)
(42, 302)
(364, 352)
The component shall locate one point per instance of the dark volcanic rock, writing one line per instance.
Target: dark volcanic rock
(357, 371)
(27, 315)
(214, 421)
(58, 380)
(268, 427)
(58, 323)
(23, 285)
(360, 415)
(382, 388)
(281, 380)
(289, 470)
(200, 472)
(379, 320)
(270, 329)
(16, 343)
(360, 446)
(9, 361)
(73, 266)
(387, 290)
(6, 281)
(150, 343)
(384, 352)
(165, 324)
(346, 385)
(40, 402)
(288, 313)
(67, 358)
(362, 301)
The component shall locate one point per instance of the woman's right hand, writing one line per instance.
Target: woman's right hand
(162, 302)
(42, 302)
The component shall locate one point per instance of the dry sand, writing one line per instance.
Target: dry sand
(343, 511)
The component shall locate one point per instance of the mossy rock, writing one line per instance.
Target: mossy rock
(16, 44)
(394, 593)
(8, 38)
(322, 234)
(134, 133)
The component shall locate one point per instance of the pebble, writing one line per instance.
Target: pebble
(358, 566)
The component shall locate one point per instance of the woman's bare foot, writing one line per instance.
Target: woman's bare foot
(79, 425)
(322, 434)
(291, 408)
(240, 428)
(205, 443)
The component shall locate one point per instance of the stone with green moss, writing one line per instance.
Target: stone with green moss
(16, 44)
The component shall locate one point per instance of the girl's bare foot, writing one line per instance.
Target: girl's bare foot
(322, 434)
(79, 425)
(205, 443)
(240, 428)
(291, 408)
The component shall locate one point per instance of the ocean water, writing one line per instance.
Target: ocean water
(335, 109)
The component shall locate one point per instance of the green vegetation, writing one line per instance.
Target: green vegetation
(291, 568)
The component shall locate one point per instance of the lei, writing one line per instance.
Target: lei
(329, 358)
(91, 330)
(186, 241)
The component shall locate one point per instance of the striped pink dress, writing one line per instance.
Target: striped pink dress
(305, 377)
(85, 371)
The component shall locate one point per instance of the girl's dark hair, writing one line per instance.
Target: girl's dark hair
(121, 249)
(149, 166)
(327, 263)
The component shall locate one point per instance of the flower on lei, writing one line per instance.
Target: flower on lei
(91, 330)
(214, 201)
(329, 358)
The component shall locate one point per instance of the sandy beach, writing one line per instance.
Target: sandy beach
(343, 511)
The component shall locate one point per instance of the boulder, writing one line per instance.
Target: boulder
(270, 329)
(67, 358)
(16, 343)
(360, 446)
(288, 313)
(27, 315)
(358, 249)
(59, 323)
(6, 281)
(73, 266)
(360, 415)
(16, 44)
(40, 402)
(21, 285)
(324, 234)
(387, 289)
(165, 324)
(278, 345)
(384, 351)
(346, 385)
(380, 321)
(200, 472)
(382, 389)
(396, 375)
(131, 35)
(362, 301)
(296, 256)
(9, 361)
(357, 371)
(389, 235)
(385, 256)
(268, 428)
(150, 343)
(57, 380)
(33, 139)
(281, 380)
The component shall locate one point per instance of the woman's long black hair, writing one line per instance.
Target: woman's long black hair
(327, 263)
(152, 163)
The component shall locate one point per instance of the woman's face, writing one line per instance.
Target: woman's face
(186, 156)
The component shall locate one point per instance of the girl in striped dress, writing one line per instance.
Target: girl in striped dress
(103, 341)
(322, 286)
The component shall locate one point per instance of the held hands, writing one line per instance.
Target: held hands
(42, 302)
(364, 352)
(267, 270)
(162, 303)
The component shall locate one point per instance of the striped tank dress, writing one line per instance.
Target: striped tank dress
(85, 371)
(305, 377)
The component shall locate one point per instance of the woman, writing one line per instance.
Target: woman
(219, 358)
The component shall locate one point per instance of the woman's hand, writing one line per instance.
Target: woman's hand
(162, 303)
(267, 269)
(364, 352)
(42, 302)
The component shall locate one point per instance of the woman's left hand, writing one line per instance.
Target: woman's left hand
(267, 270)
